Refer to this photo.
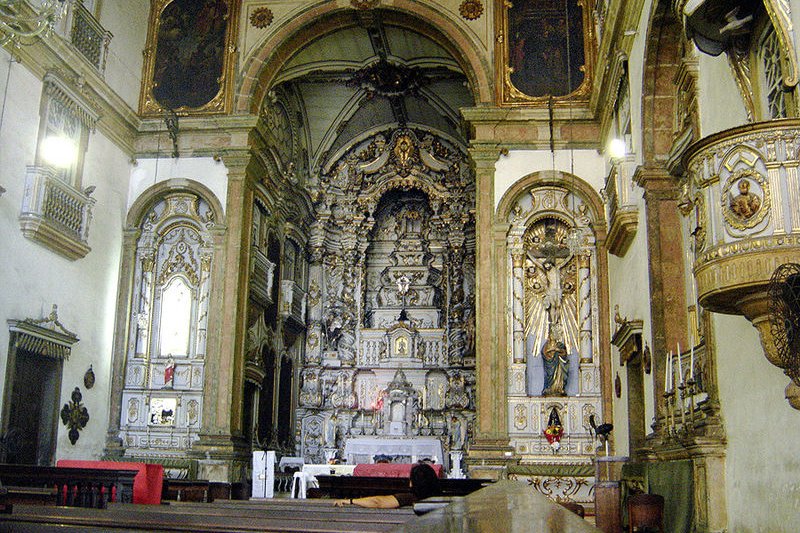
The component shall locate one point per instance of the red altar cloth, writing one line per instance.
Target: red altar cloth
(391, 470)
(146, 484)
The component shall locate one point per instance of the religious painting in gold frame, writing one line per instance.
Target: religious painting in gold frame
(544, 49)
(190, 57)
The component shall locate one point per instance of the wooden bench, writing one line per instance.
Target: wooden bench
(502, 506)
(358, 486)
(203, 518)
(81, 487)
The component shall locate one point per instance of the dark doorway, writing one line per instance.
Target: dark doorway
(31, 413)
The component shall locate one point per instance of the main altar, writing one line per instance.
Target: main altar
(389, 363)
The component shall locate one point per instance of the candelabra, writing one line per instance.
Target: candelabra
(20, 21)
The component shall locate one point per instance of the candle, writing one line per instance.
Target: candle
(691, 364)
(680, 364)
(666, 372)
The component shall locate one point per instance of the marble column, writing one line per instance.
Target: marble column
(666, 265)
(518, 297)
(585, 307)
(221, 447)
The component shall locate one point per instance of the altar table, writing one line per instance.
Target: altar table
(392, 470)
(359, 450)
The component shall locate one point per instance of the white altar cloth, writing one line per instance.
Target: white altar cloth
(401, 449)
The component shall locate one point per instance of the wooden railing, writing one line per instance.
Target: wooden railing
(76, 487)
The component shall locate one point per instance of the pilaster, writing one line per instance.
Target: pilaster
(221, 450)
(666, 268)
(489, 450)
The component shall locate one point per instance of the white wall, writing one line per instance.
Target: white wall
(586, 164)
(205, 170)
(33, 278)
(127, 21)
(763, 432)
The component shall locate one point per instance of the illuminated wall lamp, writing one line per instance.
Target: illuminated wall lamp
(58, 151)
(616, 149)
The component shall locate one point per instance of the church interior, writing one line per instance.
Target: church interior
(555, 242)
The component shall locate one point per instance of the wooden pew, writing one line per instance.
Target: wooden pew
(502, 506)
(81, 487)
(201, 519)
(358, 486)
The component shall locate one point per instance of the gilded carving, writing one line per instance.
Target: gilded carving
(261, 17)
(520, 417)
(471, 9)
(746, 208)
(133, 410)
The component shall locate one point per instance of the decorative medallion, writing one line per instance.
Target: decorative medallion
(75, 416)
(261, 17)
(647, 359)
(745, 198)
(618, 386)
(388, 80)
(364, 4)
(88, 378)
(471, 9)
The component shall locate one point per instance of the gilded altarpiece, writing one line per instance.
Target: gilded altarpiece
(389, 354)
(553, 367)
(162, 398)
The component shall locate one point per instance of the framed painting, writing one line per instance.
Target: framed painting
(190, 57)
(545, 48)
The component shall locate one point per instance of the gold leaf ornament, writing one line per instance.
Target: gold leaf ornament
(261, 17)
(471, 9)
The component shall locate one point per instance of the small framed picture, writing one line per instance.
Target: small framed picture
(162, 411)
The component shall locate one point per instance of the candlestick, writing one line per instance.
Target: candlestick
(680, 364)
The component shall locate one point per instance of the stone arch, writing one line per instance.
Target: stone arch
(261, 68)
(150, 196)
(571, 182)
(659, 98)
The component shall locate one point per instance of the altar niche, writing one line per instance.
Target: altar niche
(391, 300)
(552, 257)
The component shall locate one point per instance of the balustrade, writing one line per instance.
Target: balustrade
(56, 214)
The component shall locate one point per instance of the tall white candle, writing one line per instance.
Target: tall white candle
(671, 374)
(691, 364)
(680, 364)
(666, 372)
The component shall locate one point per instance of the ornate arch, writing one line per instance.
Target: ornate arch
(155, 193)
(659, 95)
(570, 182)
(262, 67)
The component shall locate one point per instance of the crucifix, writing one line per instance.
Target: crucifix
(403, 284)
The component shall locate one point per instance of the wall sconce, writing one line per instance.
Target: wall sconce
(617, 149)
(58, 151)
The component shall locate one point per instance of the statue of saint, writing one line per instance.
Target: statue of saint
(330, 431)
(746, 203)
(556, 367)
